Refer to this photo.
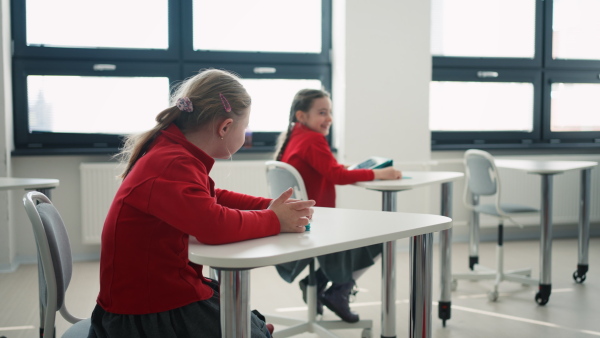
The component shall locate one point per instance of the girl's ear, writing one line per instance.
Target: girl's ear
(224, 127)
(300, 116)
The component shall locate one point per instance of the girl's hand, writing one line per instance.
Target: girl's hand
(293, 215)
(388, 173)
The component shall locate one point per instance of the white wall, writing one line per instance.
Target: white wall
(7, 235)
(382, 68)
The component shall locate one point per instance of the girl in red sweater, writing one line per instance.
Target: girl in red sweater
(304, 146)
(148, 286)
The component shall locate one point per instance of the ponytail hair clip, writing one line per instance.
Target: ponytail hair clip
(226, 104)
(185, 104)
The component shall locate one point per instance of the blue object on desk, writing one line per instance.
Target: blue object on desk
(373, 162)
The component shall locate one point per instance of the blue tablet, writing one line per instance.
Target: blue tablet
(374, 162)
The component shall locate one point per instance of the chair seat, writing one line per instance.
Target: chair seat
(79, 329)
(490, 209)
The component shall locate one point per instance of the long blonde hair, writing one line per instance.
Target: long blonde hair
(204, 91)
(303, 101)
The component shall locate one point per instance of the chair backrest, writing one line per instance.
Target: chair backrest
(54, 251)
(281, 176)
(481, 173)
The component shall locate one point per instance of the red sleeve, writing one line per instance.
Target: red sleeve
(236, 200)
(320, 157)
(181, 197)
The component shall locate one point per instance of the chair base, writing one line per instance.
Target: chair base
(312, 325)
(522, 276)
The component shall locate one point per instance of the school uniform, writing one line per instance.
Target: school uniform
(309, 152)
(148, 286)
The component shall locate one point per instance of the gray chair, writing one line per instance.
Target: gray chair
(482, 179)
(280, 177)
(54, 254)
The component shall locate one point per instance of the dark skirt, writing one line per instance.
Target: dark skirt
(200, 319)
(337, 267)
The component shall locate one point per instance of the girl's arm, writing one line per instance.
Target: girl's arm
(320, 157)
(241, 201)
(181, 197)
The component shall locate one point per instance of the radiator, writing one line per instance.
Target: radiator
(99, 183)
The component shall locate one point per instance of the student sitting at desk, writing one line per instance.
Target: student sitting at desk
(148, 286)
(304, 147)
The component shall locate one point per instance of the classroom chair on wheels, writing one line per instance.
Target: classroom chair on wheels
(280, 177)
(54, 255)
(482, 180)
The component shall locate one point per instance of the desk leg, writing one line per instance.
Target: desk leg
(444, 305)
(584, 226)
(388, 278)
(420, 286)
(545, 285)
(235, 303)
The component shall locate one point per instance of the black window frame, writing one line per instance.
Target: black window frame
(506, 138)
(545, 69)
(177, 62)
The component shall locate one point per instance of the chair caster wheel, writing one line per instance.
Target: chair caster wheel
(454, 285)
(366, 333)
(543, 295)
(540, 299)
(493, 296)
(578, 278)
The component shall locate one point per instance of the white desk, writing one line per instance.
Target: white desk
(332, 230)
(43, 185)
(40, 184)
(416, 179)
(547, 169)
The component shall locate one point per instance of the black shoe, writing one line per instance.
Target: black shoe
(321, 285)
(337, 298)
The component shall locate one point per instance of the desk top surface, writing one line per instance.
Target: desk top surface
(413, 179)
(7, 183)
(543, 166)
(332, 230)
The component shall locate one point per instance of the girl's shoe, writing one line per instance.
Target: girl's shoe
(337, 299)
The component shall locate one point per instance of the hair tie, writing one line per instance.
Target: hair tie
(225, 103)
(185, 104)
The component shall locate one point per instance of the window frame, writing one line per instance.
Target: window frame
(178, 62)
(546, 70)
(565, 138)
(37, 141)
(22, 51)
(506, 138)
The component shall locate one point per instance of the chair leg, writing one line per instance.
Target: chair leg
(313, 324)
(522, 276)
(493, 295)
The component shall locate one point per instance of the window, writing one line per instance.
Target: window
(515, 74)
(84, 78)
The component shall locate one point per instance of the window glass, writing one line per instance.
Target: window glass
(490, 28)
(481, 106)
(98, 24)
(271, 101)
(574, 107)
(258, 25)
(575, 29)
(103, 105)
